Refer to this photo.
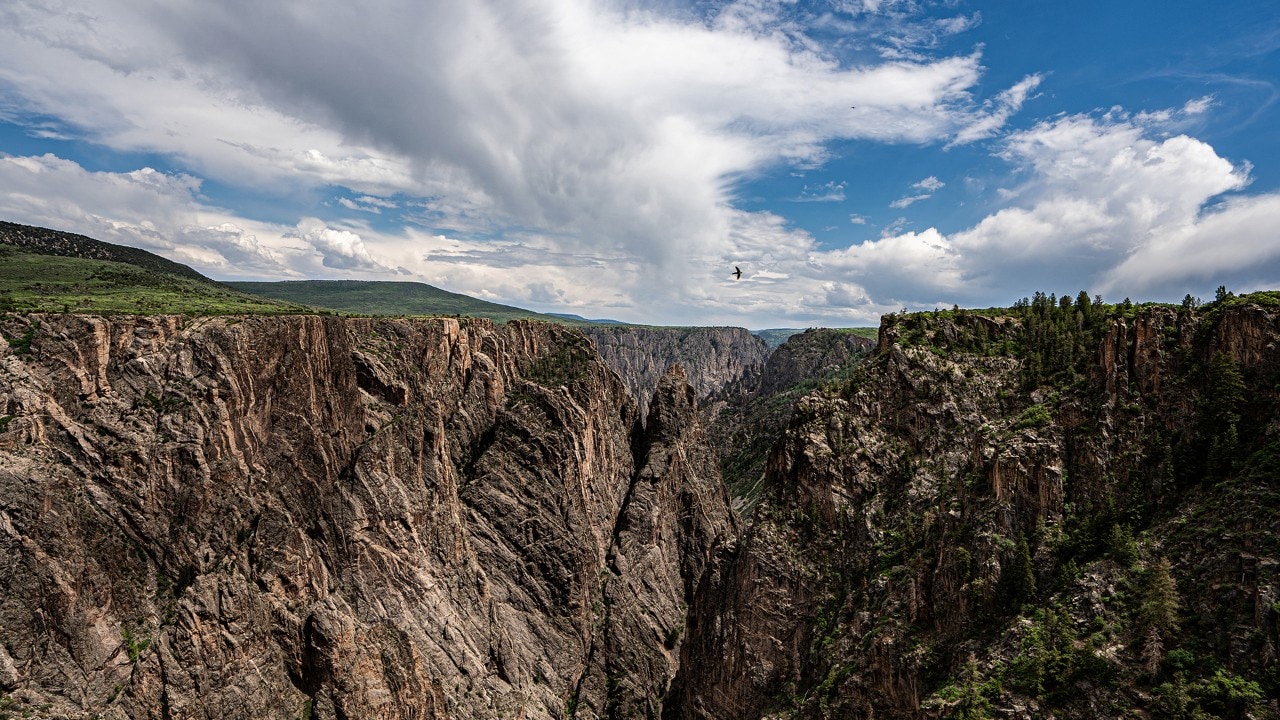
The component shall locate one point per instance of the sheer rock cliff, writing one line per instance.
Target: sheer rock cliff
(955, 533)
(314, 517)
(713, 357)
(1062, 510)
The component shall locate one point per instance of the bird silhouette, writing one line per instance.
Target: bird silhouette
(737, 274)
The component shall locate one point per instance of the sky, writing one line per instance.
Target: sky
(617, 159)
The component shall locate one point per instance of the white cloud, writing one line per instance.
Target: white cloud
(831, 191)
(909, 200)
(930, 184)
(1109, 204)
(996, 113)
(603, 128)
(600, 145)
(143, 208)
(1198, 106)
(1235, 244)
(340, 249)
(1104, 199)
(353, 205)
(377, 202)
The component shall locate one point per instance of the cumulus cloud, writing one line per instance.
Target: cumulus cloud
(597, 147)
(340, 249)
(1113, 205)
(1110, 203)
(1235, 244)
(143, 208)
(595, 124)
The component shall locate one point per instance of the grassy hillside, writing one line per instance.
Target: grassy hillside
(43, 241)
(43, 270)
(47, 271)
(389, 298)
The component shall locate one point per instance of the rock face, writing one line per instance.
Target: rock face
(324, 518)
(812, 355)
(950, 533)
(1066, 511)
(747, 417)
(712, 357)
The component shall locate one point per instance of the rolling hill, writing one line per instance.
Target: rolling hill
(44, 270)
(376, 297)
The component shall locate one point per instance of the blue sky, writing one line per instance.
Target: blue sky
(616, 159)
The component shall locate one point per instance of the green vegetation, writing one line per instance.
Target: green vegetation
(747, 429)
(1146, 590)
(42, 241)
(49, 271)
(1036, 416)
(32, 282)
(568, 362)
(1054, 337)
(133, 645)
(389, 298)
(21, 344)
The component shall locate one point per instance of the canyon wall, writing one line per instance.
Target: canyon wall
(713, 357)
(1058, 511)
(324, 518)
(952, 533)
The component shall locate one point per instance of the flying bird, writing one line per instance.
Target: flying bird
(737, 274)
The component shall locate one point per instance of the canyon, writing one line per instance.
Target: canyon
(1054, 511)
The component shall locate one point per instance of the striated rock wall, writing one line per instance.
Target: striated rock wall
(939, 538)
(811, 355)
(325, 518)
(747, 417)
(712, 357)
(340, 518)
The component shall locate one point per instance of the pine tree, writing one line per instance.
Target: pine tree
(1158, 597)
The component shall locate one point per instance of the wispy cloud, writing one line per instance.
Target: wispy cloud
(929, 185)
(995, 113)
(827, 192)
(368, 204)
(353, 205)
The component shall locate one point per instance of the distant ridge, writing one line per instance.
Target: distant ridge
(579, 318)
(43, 241)
(388, 297)
(43, 270)
(775, 337)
